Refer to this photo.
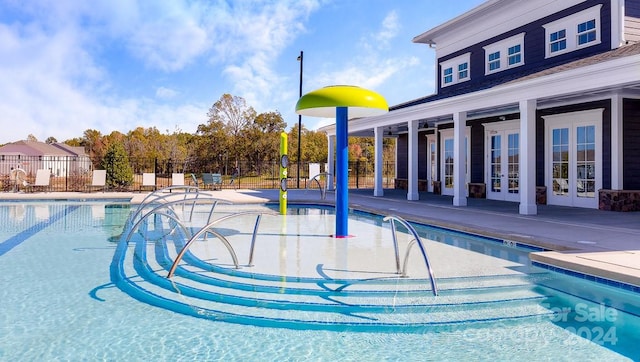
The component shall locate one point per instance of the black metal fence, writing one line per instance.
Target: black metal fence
(68, 173)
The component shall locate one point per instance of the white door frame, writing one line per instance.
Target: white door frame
(432, 161)
(447, 134)
(504, 129)
(572, 121)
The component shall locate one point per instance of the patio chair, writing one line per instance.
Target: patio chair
(43, 177)
(177, 179)
(212, 179)
(149, 180)
(99, 180)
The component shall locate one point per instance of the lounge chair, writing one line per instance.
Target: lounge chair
(43, 177)
(177, 179)
(99, 179)
(149, 180)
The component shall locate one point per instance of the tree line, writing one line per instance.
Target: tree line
(234, 133)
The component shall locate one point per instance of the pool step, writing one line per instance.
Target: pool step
(394, 304)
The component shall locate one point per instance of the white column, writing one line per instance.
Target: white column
(331, 161)
(616, 143)
(412, 192)
(459, 159)
(527, 181)
(378, 189)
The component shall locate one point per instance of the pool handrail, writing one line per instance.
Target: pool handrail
(323, 190)
(162, 194)
(155, 210)
(208, 229)
(416, 240)
(185, 199)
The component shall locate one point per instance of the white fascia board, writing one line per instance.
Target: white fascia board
(489, 20)
(606, 75)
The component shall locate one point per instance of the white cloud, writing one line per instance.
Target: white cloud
(389, 29)
(169, 36)
(165, 93)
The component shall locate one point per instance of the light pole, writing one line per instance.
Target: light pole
(301, 60)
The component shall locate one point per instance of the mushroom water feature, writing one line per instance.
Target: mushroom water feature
(345, 102)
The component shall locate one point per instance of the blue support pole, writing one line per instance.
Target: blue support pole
(342, 172)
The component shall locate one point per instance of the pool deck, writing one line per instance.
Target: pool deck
(599, 243)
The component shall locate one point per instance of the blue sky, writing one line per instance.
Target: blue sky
(112, 65)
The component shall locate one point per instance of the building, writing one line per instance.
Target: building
(59, 158)
(537, 102)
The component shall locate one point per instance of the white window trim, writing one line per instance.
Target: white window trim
(570, 24)
(454, 63)
(503, 47)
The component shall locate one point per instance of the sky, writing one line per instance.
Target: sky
(67, 66)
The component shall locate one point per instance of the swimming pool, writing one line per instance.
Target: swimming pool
(58, 300)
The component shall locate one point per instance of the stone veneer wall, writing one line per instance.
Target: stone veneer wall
(541, 195)
(477, 191)
(619, 200)
(403, 184)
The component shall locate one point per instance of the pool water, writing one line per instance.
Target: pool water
(58, 299)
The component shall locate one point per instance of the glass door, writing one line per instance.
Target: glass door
(503, 166)
(574, 171)
(432, 166)
(447, 162)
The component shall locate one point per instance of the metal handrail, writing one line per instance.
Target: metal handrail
(417, 240)
(155, 210)
(160, 195)
(184, 200)
(208, 229)
(323, 190)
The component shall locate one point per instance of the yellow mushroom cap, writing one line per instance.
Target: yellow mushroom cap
(359, 101)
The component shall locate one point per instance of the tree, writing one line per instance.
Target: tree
(51, 140)
(116, 162)
(313, 146)
(210, 147)
(94, 145)
(263, 138)
(32, 138)
(234, 113)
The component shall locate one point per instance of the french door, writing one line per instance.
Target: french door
(503, 165)
(573, 155)
(447, 161)
(432, 162)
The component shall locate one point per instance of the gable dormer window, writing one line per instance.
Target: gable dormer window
(504, 54)
(455, 70)
(573, 32)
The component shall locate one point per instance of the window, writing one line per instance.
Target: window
(494, 61)
(463, 70)
(573, 32)
(505, 54)
(558, 41)
(515, 55)
(448, 75)
(461, 66)
(587, 32)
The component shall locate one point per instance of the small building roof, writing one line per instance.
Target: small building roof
(34, 148)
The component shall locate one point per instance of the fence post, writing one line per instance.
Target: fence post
(66, 179)
(357, 174)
